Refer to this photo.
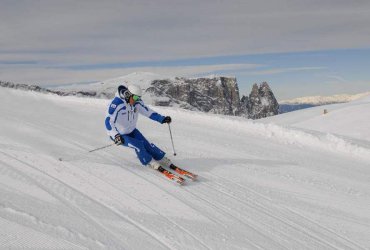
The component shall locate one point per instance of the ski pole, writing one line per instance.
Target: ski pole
(173, 147)
(90, 151)
(106, 146)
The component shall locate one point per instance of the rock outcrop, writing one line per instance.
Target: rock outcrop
(219, 95)
(261, 102)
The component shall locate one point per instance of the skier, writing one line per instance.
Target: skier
(121, 120)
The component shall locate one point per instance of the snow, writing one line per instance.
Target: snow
(265, 101)
(143, 79)
(300, 180)
(322, 100)
(347, 119)
(109, 86)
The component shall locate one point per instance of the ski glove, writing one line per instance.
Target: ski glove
(167, 119)
(118, 139)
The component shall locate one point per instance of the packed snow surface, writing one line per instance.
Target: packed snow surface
(347, 119)
(290, 184)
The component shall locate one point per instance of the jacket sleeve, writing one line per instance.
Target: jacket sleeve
(110, 121)
(146, 111)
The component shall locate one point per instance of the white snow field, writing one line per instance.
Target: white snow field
(261, 185)
(345, 119)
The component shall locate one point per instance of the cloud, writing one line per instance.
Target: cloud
(335, 78)
(98, 31)
(279, 71)
(61, 34)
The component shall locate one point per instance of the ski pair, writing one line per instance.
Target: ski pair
(173, 177)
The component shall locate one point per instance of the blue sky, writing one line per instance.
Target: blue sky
(301, 47)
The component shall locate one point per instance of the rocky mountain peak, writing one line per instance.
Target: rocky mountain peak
(261, 102)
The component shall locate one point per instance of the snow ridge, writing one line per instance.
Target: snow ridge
(291, 136)
(319, 141)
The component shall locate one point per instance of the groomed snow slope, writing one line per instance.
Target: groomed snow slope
(261, 186)
(346, 119)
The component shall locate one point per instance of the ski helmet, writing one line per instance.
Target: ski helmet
(135, 90)
(123, 92)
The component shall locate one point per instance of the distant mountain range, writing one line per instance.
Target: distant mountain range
(323, 100)
(312, 101)
(214, 94)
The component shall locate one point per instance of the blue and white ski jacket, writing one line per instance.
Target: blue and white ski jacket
(122, 117)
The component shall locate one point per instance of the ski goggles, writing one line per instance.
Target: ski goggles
(136, 98)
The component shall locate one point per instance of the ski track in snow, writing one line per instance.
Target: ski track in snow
(119, 190)
(71, 197)
(66, 197)
(261, 186)
(315, 230)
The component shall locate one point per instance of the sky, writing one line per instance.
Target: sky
(300, 47)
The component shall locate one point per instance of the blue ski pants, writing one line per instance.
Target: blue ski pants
(145, 151)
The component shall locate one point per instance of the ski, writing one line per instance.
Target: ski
(171, 176)
(183, 172)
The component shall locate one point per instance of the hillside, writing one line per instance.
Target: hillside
(345, 119)
(261, 186)
(312, 101)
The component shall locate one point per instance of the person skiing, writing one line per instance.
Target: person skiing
(121, 120)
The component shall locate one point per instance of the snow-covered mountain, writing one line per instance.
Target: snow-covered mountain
(36, 88)
(323, 100)
(214, 94)
(312, 101)
(262, 185)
